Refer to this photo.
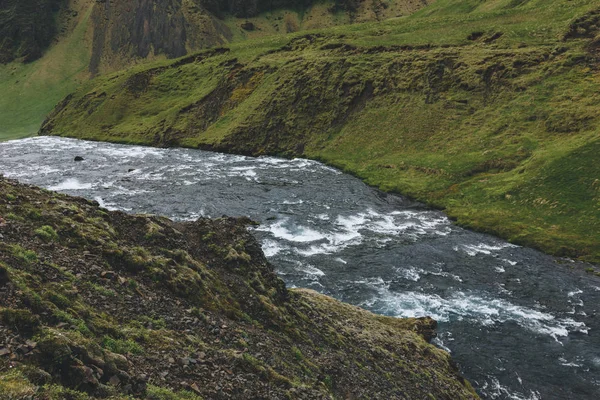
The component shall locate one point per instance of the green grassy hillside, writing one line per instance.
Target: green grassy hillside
(30, 90)
(488, 109)
(101, 37)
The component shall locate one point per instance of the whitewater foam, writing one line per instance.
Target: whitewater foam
(71, 184)
(271, 248)
(482, 248)
(292, 232)
(495, 390)
(472, 307)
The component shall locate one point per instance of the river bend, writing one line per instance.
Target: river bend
(520, 324)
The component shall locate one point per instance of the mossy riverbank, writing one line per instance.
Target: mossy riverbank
(98, 304)
(488, 111)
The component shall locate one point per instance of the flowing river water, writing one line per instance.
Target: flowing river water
(520, 324)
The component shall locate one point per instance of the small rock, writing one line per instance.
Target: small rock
(23, 349)
(119, 360)
(131, 170)
(184, 361)
(84, 374)
(78, 158)
(114, 380)
(108, 274)
(248, 26)
(195, 388)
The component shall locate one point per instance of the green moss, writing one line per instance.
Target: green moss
(122, 346)
(235, 255)
(46, 233)
(14, 217)
(55, 348)
(60, 300)
(56, 392)
(14, 385)
(101, 290)
(153, 231)
(158, 393)
(27, 256)
(20, 319)
(297, 353)
(77, 323)
(153, 323)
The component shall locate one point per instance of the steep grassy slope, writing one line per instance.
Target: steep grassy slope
(97, 304)
(486, 109)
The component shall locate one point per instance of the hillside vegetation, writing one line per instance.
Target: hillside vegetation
(487, 109)
(98, 304)
(48, 47)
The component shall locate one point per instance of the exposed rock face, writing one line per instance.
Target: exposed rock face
(250, 8)
(98, 304)
(27, 28)
(125, 31)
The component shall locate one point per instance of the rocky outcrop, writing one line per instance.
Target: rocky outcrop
(129, 31)
(98, 304)
(251, 8)
(125, 31)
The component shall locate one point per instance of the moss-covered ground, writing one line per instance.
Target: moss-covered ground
(488, 110)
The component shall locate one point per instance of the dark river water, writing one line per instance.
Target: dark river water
(520, 324)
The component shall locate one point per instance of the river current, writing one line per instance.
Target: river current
(520, 324)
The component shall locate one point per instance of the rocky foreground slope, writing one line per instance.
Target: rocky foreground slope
(98, 304)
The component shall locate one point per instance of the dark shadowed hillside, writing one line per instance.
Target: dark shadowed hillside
(27, 28)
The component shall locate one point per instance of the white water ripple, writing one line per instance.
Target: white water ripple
(476, 308)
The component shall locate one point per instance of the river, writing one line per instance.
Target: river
(520, 324)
